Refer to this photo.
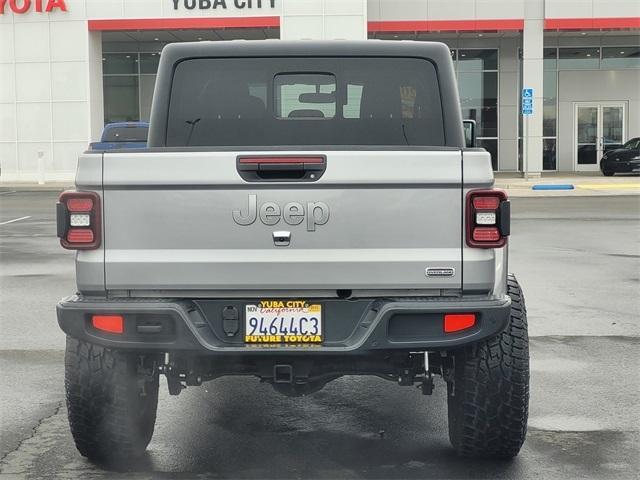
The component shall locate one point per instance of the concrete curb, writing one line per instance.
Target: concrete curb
(6, 188)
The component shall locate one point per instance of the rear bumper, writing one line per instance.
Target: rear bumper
(351, 326)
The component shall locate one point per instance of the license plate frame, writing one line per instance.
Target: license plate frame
(283, 322)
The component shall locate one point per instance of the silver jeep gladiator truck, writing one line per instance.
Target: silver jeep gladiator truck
(303, 211)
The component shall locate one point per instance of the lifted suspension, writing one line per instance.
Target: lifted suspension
(296, 376)
(177, 378)
(418, 370)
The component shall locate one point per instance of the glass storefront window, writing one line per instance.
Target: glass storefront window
(491, 146)
(579, 59)
(149, 62)
(550, 58)
(479, 100)
(549, 103)
(549, 154)
(147, 84)
(121, 98)
(620, 57)
(478, 88)
(477, 60)
(129, 80)
(120, 63)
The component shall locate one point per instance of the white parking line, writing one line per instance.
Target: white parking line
(14, 220)
(7, 193)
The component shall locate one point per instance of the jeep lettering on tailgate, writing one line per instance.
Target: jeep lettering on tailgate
(293, 213)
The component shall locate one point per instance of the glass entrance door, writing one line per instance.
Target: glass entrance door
(587, 137)
(598, 127)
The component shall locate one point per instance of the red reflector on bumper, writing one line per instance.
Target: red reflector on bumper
(486, 234)
(80, 235)
(108, 323)
(455, 322)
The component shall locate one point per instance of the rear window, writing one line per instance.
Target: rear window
(126, 134)
(305, 101)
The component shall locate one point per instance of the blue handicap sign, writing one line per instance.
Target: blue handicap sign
(527, 101)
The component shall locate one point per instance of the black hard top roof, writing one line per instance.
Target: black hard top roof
(435, 51)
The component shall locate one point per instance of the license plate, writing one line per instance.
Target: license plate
(283, 321)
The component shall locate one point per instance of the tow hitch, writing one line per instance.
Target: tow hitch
(282, 374)
(418, 372)
(178, 380)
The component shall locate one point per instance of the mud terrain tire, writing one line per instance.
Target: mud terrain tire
(111, 404)
(488, 401)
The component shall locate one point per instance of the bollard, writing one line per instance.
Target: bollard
(40, 167)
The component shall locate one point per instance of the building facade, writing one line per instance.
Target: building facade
(67, 67)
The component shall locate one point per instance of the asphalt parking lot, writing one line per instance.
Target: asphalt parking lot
(578, 259)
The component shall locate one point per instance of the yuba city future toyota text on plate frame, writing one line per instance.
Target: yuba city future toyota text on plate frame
(283, 321)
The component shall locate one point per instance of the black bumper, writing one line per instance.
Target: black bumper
(351, 326)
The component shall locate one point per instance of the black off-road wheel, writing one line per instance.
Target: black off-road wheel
(112, 398)
(488, 400)
(607, 173)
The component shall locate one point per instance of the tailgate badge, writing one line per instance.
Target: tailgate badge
(281, 239)
(293, 213)
(440, 272)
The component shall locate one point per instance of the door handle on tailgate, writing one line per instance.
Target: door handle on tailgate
(281, 168)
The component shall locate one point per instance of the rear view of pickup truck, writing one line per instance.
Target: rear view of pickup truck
(303, 211)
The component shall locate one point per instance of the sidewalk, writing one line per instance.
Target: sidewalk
(34, 187)
(584, 184)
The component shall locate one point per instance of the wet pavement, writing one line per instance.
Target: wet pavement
(578, 260)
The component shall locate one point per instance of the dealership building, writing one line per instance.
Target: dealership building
(68, 67)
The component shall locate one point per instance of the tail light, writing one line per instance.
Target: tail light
(488, 218)
(78, 219)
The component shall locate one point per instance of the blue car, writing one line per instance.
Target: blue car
(122, 135)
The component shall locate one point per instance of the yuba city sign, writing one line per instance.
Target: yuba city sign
(222, 4)
(25, 6)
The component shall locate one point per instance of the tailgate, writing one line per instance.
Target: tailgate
(375, 220)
